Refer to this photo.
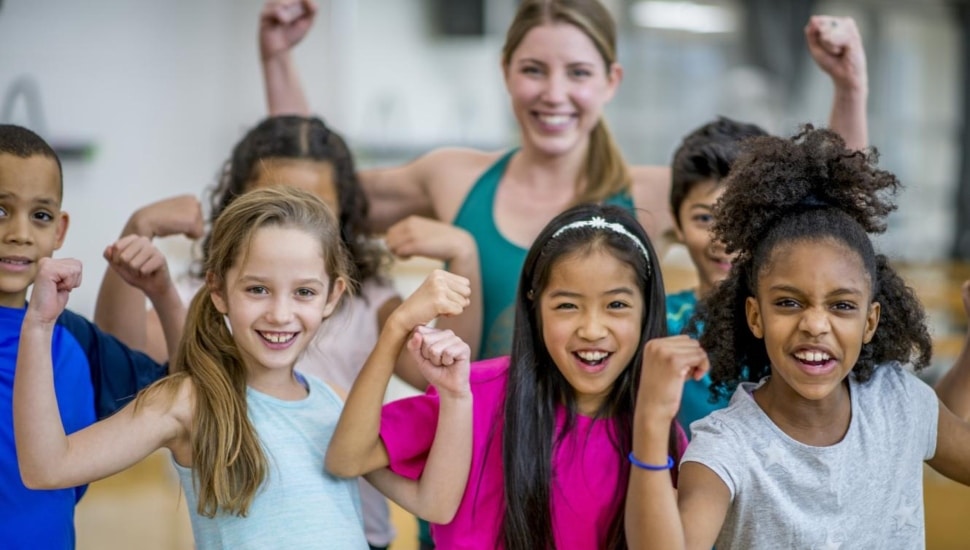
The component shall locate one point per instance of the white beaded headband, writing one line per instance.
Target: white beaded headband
(597, 222)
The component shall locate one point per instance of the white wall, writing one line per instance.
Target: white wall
(147, 82)
(164, 89)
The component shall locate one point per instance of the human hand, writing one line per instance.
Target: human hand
(140, 264)
(428, 238)
(836, 46)
(282, 24)
(179, 215)
(441, 293)
(667, 364)
(53, 284)
(443, 359)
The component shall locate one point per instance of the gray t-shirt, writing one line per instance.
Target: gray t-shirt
(864, 492)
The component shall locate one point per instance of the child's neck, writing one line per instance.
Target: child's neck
(15, 300)
(281, 384)
(817, 423)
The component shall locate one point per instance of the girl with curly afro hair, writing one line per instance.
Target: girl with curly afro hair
(826, 433)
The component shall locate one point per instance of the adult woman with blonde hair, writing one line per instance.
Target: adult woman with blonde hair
(560, 68)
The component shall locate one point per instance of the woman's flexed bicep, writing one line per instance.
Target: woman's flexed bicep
(396, 193)
(434, 185)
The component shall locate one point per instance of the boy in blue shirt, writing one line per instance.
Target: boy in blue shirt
(94, 374)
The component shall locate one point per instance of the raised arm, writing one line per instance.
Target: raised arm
(424, 237)
(120, 309)
(953, 388)
(282, 25)
(836, 46)
(47, 457)
(142, 266)
(653, 507)
(356, 447)
(444, 359)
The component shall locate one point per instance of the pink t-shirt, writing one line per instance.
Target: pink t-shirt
(586, 468)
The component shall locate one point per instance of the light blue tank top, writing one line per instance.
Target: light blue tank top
(299, 505)
(500, 259)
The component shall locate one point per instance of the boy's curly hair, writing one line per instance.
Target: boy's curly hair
(808, 188)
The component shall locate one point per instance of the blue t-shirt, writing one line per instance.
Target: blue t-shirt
(696, 401)
(94, 376)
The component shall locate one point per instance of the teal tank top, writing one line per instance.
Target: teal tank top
(695, 403)
(500, 260)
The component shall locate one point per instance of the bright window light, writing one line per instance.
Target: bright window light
(684, 16)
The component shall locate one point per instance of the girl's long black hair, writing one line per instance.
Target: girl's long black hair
(536, 388)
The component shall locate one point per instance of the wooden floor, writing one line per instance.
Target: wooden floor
(142, 508)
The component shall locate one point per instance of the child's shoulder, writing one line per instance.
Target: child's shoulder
(173, 396)
(893, 382)
(890, 375)
(739, 417)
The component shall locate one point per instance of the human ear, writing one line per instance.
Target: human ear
(753, 313)
(872, 322)
(63, 220)
(676, 229)
(215, 293)
(614, 75)
(339, 286)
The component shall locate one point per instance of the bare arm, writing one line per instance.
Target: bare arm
(170, 313)
(653, 508)
(356, 447)
(953, 388)
(651, 197)
(393, 193)
(952, 457)
(406, 367)
(139, 264)
(120, 308)
(437, 494)
(48, 458)
(282, 25)
(419, 236)
(836, 46)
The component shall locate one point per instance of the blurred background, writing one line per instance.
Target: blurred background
(147, 98)
(144, 99)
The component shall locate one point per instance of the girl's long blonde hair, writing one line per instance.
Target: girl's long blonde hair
(228, 462)
(606, 172)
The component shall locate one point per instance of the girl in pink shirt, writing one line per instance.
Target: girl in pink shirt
(552, 423)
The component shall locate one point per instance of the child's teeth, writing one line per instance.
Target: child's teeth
(591, 355)
(812, 356)
(278, 337)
